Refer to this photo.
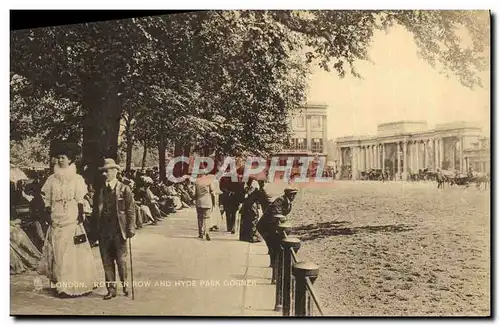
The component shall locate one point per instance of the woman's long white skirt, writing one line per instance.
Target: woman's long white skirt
(70, 267)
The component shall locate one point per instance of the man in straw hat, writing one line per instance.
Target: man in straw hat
(268, 223)
(114, 212)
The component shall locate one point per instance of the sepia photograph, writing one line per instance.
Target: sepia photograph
(251, 163)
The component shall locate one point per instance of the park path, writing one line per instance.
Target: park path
(187, 277)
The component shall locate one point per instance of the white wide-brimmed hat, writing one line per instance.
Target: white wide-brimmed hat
(109, 163)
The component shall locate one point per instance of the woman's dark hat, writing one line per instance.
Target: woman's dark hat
(67, 148)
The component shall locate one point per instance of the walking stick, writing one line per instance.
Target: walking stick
(131, 267)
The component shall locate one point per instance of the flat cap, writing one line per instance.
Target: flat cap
(290, 190)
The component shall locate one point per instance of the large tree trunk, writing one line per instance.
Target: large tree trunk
(161, 155)
(178, 168)
(100, 128)
(112, 123)
(144, 155)
(186, 153)
(130, 144)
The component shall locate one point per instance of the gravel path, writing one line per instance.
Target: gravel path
(396, 248)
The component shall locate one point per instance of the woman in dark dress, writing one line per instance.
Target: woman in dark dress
(250, 212)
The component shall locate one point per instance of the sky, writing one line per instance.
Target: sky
(398, 85)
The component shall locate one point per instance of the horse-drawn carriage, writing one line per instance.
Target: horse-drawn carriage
(371, 174)
(462, 179)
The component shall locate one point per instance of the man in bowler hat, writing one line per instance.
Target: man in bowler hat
(114, 214)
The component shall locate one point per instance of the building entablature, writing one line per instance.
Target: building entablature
(406, 137)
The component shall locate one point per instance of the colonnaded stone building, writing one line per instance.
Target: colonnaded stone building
(409, 146)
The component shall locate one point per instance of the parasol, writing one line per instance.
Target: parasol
(17, 174)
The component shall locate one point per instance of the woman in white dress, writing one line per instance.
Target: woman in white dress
(68, 263)
(216, 213)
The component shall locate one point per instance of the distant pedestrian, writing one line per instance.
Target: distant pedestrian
(250, 213)
(216, 214)
(233, 194)
(205, 202)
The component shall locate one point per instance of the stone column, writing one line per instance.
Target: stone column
(308, 134)
(365, 150)
(361, 153)
(412, 163)
(367, 158)
(461, 154)
(424, 154)
(370, 153)
(353, 162)
(405, 161)
(339, 163)
(431, 154)
(427, 153)
(383, 157)
(325, 135)
(360, 161)
(380, 146)
(417, 163)
(374, 157)
(374, 151)
(377, 153)
(441, 152)
(436, 154)
(452, 155)
(398, 163)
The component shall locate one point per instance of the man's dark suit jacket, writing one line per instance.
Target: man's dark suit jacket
(125, 207)
(280, 206)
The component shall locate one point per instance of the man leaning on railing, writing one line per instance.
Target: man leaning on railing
(268, 224)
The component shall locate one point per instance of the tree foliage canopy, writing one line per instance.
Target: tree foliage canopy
(225, 79)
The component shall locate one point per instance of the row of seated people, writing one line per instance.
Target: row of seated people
(29, 223)
(154, 200)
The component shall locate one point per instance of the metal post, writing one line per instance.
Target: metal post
(279, 280)
(301, 271)
(278, 263)
(131, 266)
(288, 244)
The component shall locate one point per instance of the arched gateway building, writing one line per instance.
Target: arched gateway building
(407, 146)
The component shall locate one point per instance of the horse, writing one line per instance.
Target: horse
(480, 178)
(441, 179)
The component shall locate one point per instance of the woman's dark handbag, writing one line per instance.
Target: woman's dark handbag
(80, 238)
